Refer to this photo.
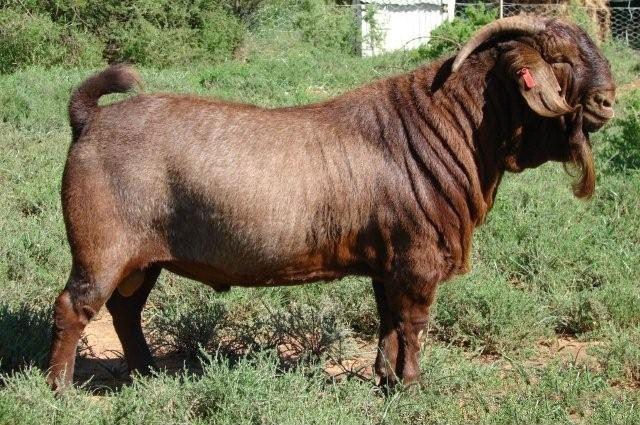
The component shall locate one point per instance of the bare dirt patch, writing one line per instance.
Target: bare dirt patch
(101, 366)
(101, 360)
(358, 366)
(563, 349)
(566, 349)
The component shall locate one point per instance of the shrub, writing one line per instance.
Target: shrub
(190, 323)
(306, 332)
(34, 39)
(449, 36)
(621, 151)
(245, 8)
(490, 317)
(323, 25)
(213, 36)
(189, 318)
(316, 23)
(161, 33)
(143, 43)
(220, 33)
(577, 314)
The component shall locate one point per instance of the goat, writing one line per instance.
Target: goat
(386, 181)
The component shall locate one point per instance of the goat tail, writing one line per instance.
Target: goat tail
(84, 99)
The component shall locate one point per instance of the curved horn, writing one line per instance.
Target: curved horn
(516, 24)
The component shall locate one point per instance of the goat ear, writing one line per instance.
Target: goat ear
(536, 81)
(563, 73)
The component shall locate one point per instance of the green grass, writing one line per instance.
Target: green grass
(545, 265)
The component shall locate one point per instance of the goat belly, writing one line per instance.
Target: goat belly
(220, 279)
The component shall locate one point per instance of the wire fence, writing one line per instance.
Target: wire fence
(351, 25)
(616, 20)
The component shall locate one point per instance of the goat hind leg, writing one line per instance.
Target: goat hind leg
(127, 316)
(77, 304)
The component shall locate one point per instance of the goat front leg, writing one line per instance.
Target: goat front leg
(404, 313)
(386, 359)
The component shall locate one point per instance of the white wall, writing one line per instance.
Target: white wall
(404, 26)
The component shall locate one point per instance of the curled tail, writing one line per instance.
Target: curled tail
(84, 99)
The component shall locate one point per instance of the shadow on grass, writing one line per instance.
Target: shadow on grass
(300, 340)
(101, 376)
(25, 334)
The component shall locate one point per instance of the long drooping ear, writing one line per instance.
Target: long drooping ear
(564, 75)
(536, 80)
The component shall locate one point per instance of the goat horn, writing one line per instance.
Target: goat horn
(515, 24)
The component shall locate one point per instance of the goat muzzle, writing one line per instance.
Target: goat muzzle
(598, 109)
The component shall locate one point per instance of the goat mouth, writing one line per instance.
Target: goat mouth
(594, 121)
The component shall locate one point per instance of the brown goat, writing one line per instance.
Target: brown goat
(386, 181)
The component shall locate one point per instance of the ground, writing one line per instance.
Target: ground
(545, 328)
(101, 360)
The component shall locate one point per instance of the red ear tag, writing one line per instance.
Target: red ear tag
(529, 83)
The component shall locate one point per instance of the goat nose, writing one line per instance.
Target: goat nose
(602, 101)
(600, 104)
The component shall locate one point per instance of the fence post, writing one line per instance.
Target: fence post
(501, 9)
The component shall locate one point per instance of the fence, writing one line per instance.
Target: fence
(349, 25)
(616, 20)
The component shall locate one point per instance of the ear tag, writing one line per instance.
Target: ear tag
(529, 83)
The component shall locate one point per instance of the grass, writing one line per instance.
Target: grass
(545, 266)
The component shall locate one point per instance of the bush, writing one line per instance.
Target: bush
(245, 8)
(213, 37)
(157, 34)
(449, 36)
(164, 33)
(189, 318)
(577, 314)
(622, 140)
(306, 332)
(491, 317)
(220, 33)
(143, 43)
(193, 323)
(325, 26)
(34, 39)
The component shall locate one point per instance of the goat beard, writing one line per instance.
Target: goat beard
(580, 159)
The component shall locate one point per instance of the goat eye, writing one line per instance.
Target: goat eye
(561, 59)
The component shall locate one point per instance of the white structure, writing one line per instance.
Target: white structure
(399, 24)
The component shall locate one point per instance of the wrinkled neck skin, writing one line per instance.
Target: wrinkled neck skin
(486, 114)
(452, 133)
(471, 120)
